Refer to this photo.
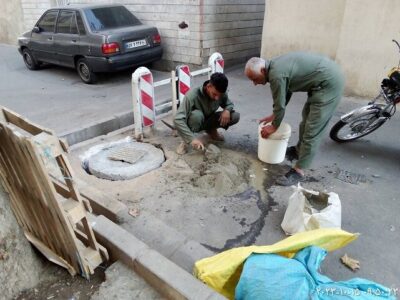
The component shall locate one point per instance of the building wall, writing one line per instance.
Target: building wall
(366, 51)
(11, 21)
(231, 27)
(356, 33)
(32, 10)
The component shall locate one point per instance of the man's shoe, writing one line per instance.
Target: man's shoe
(291, 178)
(291, 153)
(215, 135)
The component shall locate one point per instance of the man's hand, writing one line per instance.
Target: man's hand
(225, 118)
(267, 130)
(267, 119)
(197, 144)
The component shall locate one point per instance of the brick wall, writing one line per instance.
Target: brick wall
(233, 28)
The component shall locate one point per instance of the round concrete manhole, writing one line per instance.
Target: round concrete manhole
(122, 160)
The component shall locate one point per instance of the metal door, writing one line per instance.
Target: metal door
(66, 39)
(42, 43)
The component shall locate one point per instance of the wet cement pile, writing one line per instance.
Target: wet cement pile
(216, 173)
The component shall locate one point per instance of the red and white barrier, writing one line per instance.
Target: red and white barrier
(143, 90)
(143, 100)
(216, 63)
(184, 81)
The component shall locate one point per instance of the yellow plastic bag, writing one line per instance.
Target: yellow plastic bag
(222, 271)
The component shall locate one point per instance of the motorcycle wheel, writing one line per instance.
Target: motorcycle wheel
(343, 132)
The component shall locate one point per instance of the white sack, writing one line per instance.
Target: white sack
(308, 210)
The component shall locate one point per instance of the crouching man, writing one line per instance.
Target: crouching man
(198, 112)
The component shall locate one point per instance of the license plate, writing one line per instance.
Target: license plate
(135, 44)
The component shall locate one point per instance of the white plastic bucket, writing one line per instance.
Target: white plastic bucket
(273, 149)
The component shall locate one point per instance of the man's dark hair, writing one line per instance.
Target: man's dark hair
(219, 81)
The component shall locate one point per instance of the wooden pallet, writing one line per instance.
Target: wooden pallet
(45, 200)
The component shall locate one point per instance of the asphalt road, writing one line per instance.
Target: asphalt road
(56, 98)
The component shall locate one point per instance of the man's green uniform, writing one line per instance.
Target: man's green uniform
(324, 82)
(198, 112)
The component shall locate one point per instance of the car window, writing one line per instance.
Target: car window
(66, 22)
(110, 17)
(74, 27)
(47, 23)
(81, 26)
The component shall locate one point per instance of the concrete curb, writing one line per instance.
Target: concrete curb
(101, 203)
(108, 125)
(167, 278)
(165, 239)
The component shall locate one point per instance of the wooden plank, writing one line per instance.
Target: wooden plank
(11, 148)
(83, 238)
(50, 143)
(49, 253)
(63, 226)
(40, 215)
(66, 169)
(23, 172)
(64, 144)
(101, 203)
(48, 212)
(60, 187)
(92, 257)
(19, 121)
(92, 242)
(30, 189)
(75, 210)
(3, 118)
(89, 232)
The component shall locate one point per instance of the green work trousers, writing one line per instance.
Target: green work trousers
(197, 121)
(317, 112)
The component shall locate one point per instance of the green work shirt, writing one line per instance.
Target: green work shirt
(293, 72)
(197, 99)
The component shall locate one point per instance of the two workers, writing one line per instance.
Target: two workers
(315, 74)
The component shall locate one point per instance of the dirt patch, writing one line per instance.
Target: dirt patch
(63, 286)
(123, 283)
(20, 266)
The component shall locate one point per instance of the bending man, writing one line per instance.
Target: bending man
(315, 74)
(199, 111)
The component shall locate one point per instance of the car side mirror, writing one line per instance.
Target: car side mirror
(36, 29)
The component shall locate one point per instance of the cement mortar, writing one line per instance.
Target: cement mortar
(103, 165)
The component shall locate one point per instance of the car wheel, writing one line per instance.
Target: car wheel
(29, 60)
(85, 71)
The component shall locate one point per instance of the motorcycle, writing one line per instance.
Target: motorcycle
(364, 120)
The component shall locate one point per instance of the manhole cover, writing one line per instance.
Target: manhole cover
(124, 160)
(349, 177)
(126, 154)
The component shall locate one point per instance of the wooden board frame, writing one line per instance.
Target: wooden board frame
(54, 219)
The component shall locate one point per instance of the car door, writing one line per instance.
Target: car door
(42, 42)
(66, 39)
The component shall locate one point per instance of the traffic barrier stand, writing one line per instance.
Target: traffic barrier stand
(216, 63)
(184, 81)
(143, 90)
(143, 101)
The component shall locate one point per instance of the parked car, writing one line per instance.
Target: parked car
(91, 39)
